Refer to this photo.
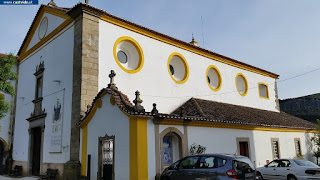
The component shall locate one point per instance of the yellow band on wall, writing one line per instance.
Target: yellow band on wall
(84, 151)
(138, 148)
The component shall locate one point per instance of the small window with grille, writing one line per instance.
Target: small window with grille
(275, 148)
(297, 146)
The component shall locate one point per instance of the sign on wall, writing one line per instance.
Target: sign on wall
(56, 133)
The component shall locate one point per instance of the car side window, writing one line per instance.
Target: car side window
(189, 163)
(174, 166)
(273, 164)
(211, 162)
(286, 163)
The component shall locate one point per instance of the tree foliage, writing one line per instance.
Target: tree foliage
(316, 141)
(6, 77)
(197, 149)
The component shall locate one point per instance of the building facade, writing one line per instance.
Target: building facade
(70, 106)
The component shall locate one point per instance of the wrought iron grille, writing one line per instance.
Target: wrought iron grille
(107, 151)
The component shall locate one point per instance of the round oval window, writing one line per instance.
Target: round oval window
(128, 54)
(178, 68)
(42, 31)
(241, 84)
(122, 57)
(214, 78)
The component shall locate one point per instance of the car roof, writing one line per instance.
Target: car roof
(222, 155)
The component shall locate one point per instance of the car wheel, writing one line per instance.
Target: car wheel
(259, 175)
(291, 177)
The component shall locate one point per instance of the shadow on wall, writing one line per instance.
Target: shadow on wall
(309, 148)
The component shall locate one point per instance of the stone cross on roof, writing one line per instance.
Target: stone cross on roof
(112, 85)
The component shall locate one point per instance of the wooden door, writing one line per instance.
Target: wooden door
(36, 151)
(244, 151)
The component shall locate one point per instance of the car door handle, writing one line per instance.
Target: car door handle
(274, 169)
(288, 169)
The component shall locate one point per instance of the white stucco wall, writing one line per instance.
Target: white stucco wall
(221, 140)
(156, 85)
(224, 140)
(262, 141)
(58, 63)
(53, 23)
(110, 120)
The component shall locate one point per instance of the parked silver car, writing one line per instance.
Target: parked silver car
(289, 169)
(210, 167)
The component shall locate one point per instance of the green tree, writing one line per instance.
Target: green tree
(316, 141)
(6, 76)
(197, 149)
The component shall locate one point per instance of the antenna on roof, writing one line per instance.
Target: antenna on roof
(202, 32)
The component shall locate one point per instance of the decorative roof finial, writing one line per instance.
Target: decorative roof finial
(137, 103)
(193, 42)
(154, 109)
(51, 3)
(112, 85)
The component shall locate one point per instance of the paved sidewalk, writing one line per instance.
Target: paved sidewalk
(21, 178)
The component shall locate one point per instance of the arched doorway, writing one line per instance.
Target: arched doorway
(3, 155)
(170, 146)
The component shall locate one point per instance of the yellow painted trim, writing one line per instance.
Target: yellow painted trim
(138, 48)
(233, 126)
(138, 148)
(5, 143)
(45, 18)
(219, 76)
(56, 12)
(172, 122)
(38, 18)
(182, 46)
(246, 84)
(35, 49)
(186, 68)
(261, 83)
(112, 101)
(84, 151)
(97, 104)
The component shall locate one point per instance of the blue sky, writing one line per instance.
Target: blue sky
(279, 36)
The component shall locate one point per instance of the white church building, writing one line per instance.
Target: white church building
(100, 93)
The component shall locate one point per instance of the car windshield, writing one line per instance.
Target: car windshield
(243, 163)
(305, 163)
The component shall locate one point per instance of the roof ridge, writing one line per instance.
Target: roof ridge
(198, 107)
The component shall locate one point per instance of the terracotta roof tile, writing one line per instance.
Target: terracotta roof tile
(211, 111)
(227, 113)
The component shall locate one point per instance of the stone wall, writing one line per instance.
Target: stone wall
(85, 81)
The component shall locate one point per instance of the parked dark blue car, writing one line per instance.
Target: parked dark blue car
(211, 167)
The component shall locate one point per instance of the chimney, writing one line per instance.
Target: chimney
(87, 2)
